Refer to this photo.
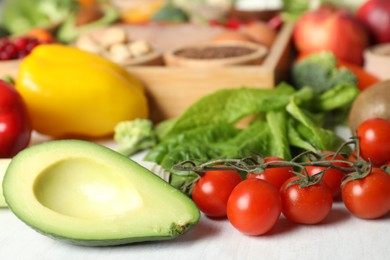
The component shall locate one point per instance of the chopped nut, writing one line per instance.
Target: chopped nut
(139, 48)
(119, 52)
(112, 36)
(87, 43)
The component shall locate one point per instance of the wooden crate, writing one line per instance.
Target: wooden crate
(172, 90)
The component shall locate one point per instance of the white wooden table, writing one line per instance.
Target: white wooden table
(341, 236)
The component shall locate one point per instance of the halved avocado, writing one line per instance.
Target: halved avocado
(3, 167)
(88, 194)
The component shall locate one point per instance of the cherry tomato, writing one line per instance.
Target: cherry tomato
(332, 177)
(306, 205)
(276, 176)
(374, 140)
(15, 128)
(369, 197)
(211, 192)
(254, 207)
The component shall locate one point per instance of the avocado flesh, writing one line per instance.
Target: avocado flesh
(88, 194)
(3, 167)
(69, 31)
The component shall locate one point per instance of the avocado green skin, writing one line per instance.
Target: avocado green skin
(3, 167)
(174, 231)
(68, 32)
(114, 242)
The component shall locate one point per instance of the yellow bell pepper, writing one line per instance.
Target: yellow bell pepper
(70, 92)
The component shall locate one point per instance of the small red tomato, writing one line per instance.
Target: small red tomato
(332, 177)
(306, 205)
(369, 197)
(276, 176)
(374, 140)
(211, 192)
(254, 207)
(15, 128)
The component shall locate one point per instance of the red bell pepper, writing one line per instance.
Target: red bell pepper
(15, 127)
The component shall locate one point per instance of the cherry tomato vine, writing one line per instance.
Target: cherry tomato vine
(306, 198)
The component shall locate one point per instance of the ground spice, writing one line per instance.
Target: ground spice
(214, 52)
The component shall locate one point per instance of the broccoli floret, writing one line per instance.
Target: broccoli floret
(319, 71)
(134, 136)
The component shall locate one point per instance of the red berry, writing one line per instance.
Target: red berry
(4, 41)
(5, 56)
(11, 50)
(22, 54)
(233, 23)
(30, 46)
(21, 43)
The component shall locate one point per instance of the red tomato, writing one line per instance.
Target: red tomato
(276, 176)
(306, 205)
(254, 207)
(332, 177)
(353, 156)
(369, 197)
(211, 192)
(15, 128)
(374, 140)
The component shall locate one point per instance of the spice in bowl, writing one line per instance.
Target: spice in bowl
(216, 54)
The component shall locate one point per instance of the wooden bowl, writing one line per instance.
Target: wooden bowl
(251, 15)
(175, 58)
(96, 42)
(153, 58)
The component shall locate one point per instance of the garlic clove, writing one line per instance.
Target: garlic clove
(139, 48)
(87, 43)
(113, 36)
(119, 52)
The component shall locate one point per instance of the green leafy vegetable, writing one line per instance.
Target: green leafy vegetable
(283, 121)
(199, 136)
(253, 138)
(277, 121)
(19, 16)
(231, 105)
(318, 137)
(336, 97)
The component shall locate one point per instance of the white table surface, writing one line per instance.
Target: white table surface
(340, 236)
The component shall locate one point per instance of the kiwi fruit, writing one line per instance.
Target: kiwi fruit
(373, 102)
